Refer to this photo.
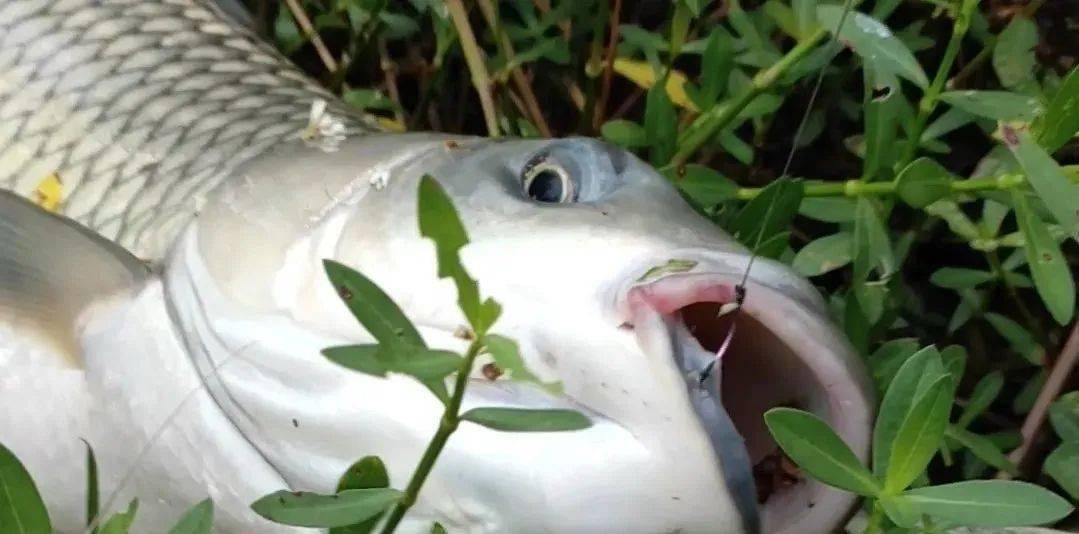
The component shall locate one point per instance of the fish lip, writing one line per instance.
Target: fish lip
(662, 299)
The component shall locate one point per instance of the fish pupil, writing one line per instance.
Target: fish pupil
(546, 186)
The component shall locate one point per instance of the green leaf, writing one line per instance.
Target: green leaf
(983, 448)
(1013, 53)
(881, 112)
(1021, 340)
(21, 509)
(886, 361)
(372, 307)
(367, 472)
(362, 358)
(960, 278)
(716, 65)
(660, 124)
(507, 356)
(913, 378)
(306, 509)
(424, 364)
(703, 185)
(1063, 465)
(874, 42)
(521, 420)
(437, 528)
(996, 105)
(288, 36)
(199, 519)
(923, 182)
(1047, 179)
(440, 223)
(769, 213)
(93, 493)
(823, 255)
(1052, 277)
(624, 133)
(120, 523)
(872, 247)
(828, 209)
(1060, 122)
(919, 436)
(366, 99)
(985, 392)
(819, 451)
(989, 503)
(1064, 416)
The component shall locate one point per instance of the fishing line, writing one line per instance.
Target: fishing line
(735, 307)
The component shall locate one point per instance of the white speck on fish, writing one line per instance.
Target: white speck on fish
(323, 131)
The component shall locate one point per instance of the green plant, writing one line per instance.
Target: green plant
(22, 511)
(363, 493)
(912, 423)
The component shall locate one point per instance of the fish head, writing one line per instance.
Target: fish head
(613, 288)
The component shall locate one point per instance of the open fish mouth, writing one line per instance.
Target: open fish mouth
(773, 352)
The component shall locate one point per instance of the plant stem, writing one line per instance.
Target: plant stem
(709, 123)
(856, 188)
(876, 517)
(932, 95)
(474, 59)
(447, 425)
(309, 31)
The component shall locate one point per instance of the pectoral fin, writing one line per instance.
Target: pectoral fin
(51, 269)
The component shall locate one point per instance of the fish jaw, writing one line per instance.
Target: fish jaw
(782, 352)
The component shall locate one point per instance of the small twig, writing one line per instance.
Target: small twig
(524, 87)
(474, 59)
(389, 73)
(608, 65)
(1054, 384)
(309, 31)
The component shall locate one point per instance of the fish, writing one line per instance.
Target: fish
(171, 186)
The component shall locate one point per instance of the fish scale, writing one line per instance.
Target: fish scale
(140, 108)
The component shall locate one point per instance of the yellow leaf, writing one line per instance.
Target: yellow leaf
(640, 73)
(49, 192)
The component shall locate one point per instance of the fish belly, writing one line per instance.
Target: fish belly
(139, 402)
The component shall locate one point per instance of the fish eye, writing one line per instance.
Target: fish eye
(544, 180)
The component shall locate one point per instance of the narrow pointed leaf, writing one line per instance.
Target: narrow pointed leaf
(92, 491)
(1052, 276)
(1063, 465)
(812, 444)
(874, 42)
(367, 472)
(989, 503)
(996, 105)
(371, 306)
(120, 523)
(912, 379)
(440, 222)
(1064, 416)
(919, 436)
(1047, 178)
(984, 449)
(21, 509)
(197, 520)
(1061, 120)
(823, 255)
(521, 420)
(507, 356)
(305, 509)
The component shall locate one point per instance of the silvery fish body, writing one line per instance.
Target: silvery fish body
(172, 311)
